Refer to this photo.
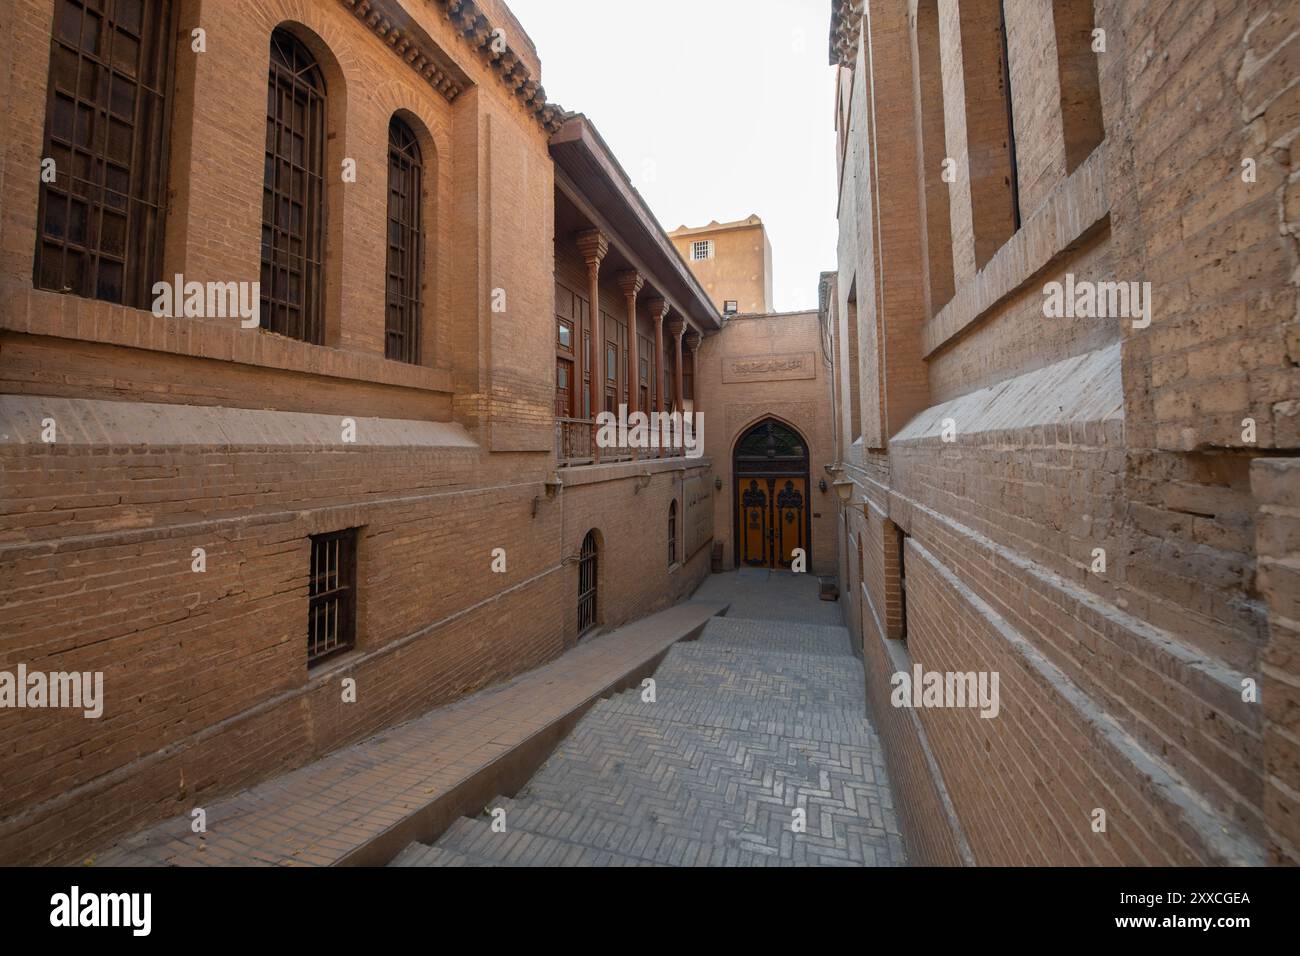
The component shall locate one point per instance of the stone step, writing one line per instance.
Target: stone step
(646, 844)
(516, 847)
(422, 854)
(831, 724)
(777, 636)
(734, 843)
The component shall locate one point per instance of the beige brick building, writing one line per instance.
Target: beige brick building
(733, 261)
(308, 311)
(1102, 510)
(392, 479)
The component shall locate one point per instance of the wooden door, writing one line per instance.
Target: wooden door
(755, 506)
(772, 519)
(789, 520)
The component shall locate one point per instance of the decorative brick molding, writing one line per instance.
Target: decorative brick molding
(846, 24)
(376, 15)
(479, 32)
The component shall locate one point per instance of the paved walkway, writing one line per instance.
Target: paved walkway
(762, 716)
(368, 795)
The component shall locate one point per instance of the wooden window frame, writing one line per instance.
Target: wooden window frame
(107, 167)
(404, 279)
(290, 253)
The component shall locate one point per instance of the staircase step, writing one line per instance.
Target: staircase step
(518, 847)
(422, 854)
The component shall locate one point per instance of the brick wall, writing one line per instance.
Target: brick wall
(1073, 435)
(733, 403)
(175, 434)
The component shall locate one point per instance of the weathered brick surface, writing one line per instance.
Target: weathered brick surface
(184, 433)
(1073, 435)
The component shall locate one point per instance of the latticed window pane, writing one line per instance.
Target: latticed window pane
(405, 244)
(100, 218)
(293, 199)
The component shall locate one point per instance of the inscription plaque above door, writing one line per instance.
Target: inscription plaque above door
(768, 368)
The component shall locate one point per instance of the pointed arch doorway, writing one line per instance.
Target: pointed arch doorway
(770, 474)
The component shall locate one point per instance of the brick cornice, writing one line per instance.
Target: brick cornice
(413, 51)
(846, 22)
(383, 18)
(477, 30)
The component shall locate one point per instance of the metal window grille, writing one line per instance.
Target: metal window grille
(100, 221)
(702, 249)
(332, 606)
(587, 584)
(405, 244)
(672, 534)
(293, 195)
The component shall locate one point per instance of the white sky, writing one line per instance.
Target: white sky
(717, 109)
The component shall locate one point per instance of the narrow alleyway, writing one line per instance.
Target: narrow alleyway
(760, 717)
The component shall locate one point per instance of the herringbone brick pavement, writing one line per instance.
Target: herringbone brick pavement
(762, 716)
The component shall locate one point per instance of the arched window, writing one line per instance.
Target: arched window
(672, 533)
(100, 218)
(587, 583)
(405, 244)
(293, 195)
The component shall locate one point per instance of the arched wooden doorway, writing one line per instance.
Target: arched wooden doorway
(587, 576)
(770, 469)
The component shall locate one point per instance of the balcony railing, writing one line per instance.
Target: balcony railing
(575, 444)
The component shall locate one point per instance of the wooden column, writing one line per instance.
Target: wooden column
(631, 282)
(593, 245)
(676, 327)
(691, 340)
(658, 311)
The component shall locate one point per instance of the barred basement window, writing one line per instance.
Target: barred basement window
(293, 195)
(672, 534)
(100, 222)
(331, 602)
(405, 244)
(587, 579)
(702, 249)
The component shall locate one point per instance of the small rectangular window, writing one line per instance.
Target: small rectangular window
(331, 602)
(730, 307)
(702, 249)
